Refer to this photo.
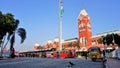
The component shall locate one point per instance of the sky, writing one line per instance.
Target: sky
(40, 18)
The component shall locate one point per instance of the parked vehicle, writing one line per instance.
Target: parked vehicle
(95, 53)
(65, 54)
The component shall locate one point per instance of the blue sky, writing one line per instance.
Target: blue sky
(40, 18)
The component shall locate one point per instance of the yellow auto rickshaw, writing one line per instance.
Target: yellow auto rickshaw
(95, 53)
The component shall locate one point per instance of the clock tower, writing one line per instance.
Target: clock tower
(84, 30)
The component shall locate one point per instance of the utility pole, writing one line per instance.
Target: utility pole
(60, 27)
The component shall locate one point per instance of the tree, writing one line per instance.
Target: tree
(111, 39)
(117, 39)
(21, 32)
(108, 39)
(77, 44)
(70, 44)
(8, 29)
(40, 47)
(100, 40)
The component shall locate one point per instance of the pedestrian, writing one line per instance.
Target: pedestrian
(86, 55)
(104, 54)
(58, 55)
(12, 54)
(104, 57)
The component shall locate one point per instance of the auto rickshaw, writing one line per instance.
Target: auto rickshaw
(95, 53)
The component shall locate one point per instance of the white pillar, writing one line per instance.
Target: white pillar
(60, 27)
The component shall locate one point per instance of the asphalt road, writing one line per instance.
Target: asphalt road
(49, 63)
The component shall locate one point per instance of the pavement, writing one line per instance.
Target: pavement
(112, 63)
(26, 62)
(2, 58)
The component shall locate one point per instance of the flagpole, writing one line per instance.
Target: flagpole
(60, 27)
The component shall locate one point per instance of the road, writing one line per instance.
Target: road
(113, 63)
(48, 62)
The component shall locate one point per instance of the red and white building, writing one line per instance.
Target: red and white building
(85, 38)
(84, 30)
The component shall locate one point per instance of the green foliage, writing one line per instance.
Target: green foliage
(40, 47)
(70, 44)
(117, 39)
(9, 27)
(100, 40)
(108, 39)
(77, 44)
(111, 39)
(7, 24)
(22, 33)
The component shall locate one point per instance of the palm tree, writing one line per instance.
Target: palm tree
(8, 29)
(21, 32)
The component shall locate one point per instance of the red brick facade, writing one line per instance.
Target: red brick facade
(84, 30)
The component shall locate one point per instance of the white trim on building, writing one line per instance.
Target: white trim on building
(105, 33)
